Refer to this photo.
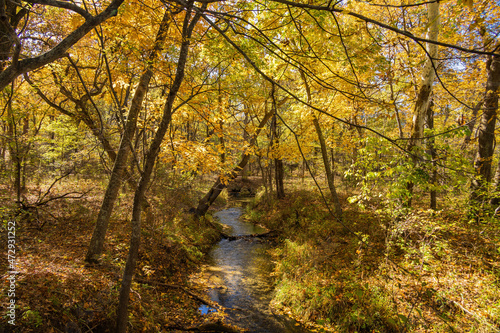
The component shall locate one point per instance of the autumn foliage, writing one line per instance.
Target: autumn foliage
(364, 125)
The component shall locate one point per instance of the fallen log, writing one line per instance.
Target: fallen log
(175, 286)
(269, 234)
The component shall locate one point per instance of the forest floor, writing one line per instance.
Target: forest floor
(56, 291)
(427, 272)
(424, 271)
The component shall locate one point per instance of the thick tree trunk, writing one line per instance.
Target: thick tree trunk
(424, 93)
(219, 185)
(122, 312)
(486, 136)
(99, 234)
(264, 176)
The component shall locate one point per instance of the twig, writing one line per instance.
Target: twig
(476, 316)
(40, 199)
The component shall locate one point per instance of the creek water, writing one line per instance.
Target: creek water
(239, 277)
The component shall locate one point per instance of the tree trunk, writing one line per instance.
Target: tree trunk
(328, 170)
(264, 176)
(486, 136)
(433, 153)
(278, 162)
(471, 124)
(245, 172)
(221, 124)
(324, 155)
(14, 150)
(424, 93)
(495, 199)
(279, 175)
(99, 234)
(122, 312)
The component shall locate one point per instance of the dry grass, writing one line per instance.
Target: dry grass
(427, 272)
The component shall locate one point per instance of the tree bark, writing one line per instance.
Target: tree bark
(14, 150)
(99, 234)
(279, 174)
(154, 148)
(486, 135)
(278, 162)
(424, 93)
(433, 153)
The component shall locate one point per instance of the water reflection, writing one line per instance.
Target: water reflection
(239, 277)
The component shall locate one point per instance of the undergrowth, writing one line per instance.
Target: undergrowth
(426, 271)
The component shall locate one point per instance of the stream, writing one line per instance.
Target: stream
(239, 278)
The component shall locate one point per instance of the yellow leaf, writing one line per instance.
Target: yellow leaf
(76, 21)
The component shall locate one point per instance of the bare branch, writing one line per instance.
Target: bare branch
(383, 25)
(65, 5)
(66, 174)
(63, 196)
(398, 6)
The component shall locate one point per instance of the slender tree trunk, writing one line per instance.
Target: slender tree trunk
(432, 150)
(221, 123)
(14, 150)
(278, 162)
(222, 143)
(324, 155)
(328, 170)
(99, 234)
(245, 172)
(425, 91)
(122, 312)
(486, 136)
(390, 75)
(263, 173)
(471, 124)
(279, 176)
